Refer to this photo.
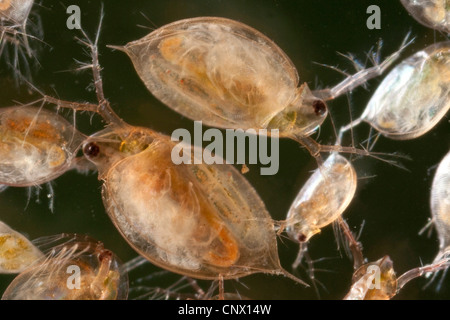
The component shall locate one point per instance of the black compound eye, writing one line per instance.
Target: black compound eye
(301, 237)
(91, 149)
(319, 107)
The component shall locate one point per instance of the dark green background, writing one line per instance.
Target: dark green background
(393, 203)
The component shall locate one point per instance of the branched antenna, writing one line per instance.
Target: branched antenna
(362, 76)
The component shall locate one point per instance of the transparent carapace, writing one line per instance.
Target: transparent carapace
(199, 220)
(36, 145)
(230, 75)
(16, 252)
(413, 97)
(440, 205)
(203, 221)
(434, 14)
(75, 268)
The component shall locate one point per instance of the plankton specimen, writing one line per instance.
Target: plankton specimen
(378, 281)
(75, 268)
(36, 145)
(440, 203)
(14, 37)
(321, 201)
(203, 221)
(413, 97)
(363, 287)
(16, 252)
(434, 14)
(230, 75)
(440, 207)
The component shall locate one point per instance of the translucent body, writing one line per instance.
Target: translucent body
(374, 281)
(322, 199)
(203, 221)
(414, 96)
(16, 251)
(440, 204)
(53, 278)
(36, 145)
(227, 74)
(378, 281)
(17, 45)
(431, 13)
(15, 12)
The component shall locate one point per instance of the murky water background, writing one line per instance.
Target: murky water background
(393, 203)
